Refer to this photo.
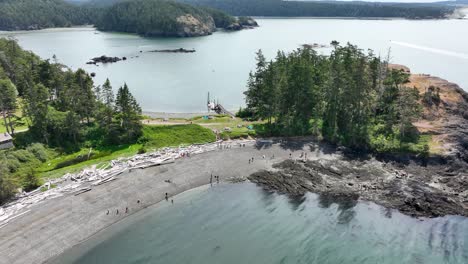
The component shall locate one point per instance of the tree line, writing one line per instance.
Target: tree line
(351, 98)
(325, 9)
(146, 17)
(37, 14)
(62, 108)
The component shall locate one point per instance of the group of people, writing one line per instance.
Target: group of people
(216, 178)
(117, 210)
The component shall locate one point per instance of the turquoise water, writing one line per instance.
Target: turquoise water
(241, 223)
(180, 82)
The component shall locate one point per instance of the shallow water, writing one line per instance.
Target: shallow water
(242, 223)
(180, 82)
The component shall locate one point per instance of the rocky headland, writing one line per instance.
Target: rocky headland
(431, 186)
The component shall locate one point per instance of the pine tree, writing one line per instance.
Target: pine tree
(128, 114)
(8, 104)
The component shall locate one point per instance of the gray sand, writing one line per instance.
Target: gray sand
(55, 225)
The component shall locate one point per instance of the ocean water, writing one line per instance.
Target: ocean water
(167, 82)
(242, 223)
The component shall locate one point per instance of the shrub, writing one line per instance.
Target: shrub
(23, 155)
(142, 150)
(39, 151)
(30, 181)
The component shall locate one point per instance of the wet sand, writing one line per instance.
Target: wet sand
(53, 226)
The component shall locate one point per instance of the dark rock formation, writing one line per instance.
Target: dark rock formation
(179, 50)
(104, 59)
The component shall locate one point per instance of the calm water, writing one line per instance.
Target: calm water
(180, 82)
(241, 223)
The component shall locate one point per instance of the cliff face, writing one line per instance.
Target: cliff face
(445, 114)
(191, 26)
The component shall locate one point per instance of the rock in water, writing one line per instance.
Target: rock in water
(104, 59)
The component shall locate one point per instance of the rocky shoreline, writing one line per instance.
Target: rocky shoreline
(415, 190)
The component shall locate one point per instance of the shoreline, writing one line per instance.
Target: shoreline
(49, 228)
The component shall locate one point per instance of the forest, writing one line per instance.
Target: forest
(38, 14)
(325, 8)
(155, 18)
(63, 111)
(351, 98)
(145, 17)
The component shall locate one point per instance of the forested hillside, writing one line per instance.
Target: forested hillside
(163, 18)
(324, 9)
(37, 14)
(350, 98)
(63, 110)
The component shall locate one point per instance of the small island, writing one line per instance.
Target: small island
(179, 50)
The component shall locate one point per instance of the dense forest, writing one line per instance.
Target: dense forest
(62, 109)
(350, 97)
(156, 18)
(144, 17)
(37, 14)
(325, 9)
(166, 18)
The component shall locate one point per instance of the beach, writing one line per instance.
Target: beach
(289, 166)
(53, 226)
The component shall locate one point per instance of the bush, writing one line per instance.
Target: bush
(142, 150)
(23, 155)
(245, 113)
(39, 151)
(30, 181)
(7, 186)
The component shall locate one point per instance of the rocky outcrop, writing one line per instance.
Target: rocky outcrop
(445, 114)
(242, 23)
(179, 50)
(413, 190)
(104, 59)
(190, 26)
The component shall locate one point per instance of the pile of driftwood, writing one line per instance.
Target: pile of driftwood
(85, 180)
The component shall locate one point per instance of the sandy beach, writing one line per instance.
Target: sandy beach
(49, 228)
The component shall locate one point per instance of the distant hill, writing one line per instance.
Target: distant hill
(325, 9)
(166, 18)
(144, 17)
(37, 14)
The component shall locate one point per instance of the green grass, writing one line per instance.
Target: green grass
(176, 135)
(237, 133)
(216, 119)
(154, 137)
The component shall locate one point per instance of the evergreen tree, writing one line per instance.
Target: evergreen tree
(8, 104)
(128, 114)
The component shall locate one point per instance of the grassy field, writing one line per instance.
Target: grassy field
(21, 124)
(154, 137)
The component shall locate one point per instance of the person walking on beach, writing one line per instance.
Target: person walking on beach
(167, 197)
(126, 210)
(211, 178)
(117, 211)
